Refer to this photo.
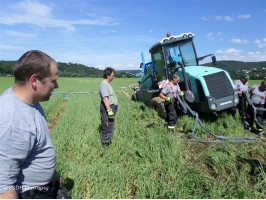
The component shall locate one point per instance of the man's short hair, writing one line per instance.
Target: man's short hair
(33, 62)
(245, 76)
(108, 71)
(175, 76)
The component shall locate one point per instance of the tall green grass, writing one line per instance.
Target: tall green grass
(144, 160)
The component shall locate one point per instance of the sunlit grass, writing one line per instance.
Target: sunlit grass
(144, 160)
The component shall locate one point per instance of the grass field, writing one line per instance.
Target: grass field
(144, 161)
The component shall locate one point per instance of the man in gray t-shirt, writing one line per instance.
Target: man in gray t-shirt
(257, 97)
(108, 106)
(168, 93)
(27, 155)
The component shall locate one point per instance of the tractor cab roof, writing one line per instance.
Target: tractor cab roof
(171, 39)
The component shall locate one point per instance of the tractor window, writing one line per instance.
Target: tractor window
(188, 53)
(157, 58)
(158, 62)
(172, 57)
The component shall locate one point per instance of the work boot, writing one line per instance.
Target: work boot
(247, 126)
(260, 131)
(171, 129)
(106, 144)
(243, 119)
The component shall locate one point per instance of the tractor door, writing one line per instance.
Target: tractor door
(172, 57)
(158, 63)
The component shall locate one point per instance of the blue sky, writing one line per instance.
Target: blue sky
(102, 33)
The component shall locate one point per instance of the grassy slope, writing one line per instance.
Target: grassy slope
(144, 161)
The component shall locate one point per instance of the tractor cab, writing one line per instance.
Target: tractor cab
(212, 87)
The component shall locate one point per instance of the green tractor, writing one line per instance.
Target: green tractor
(207, 89)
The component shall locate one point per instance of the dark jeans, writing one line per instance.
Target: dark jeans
(171, 116)
(108, 125)
(259, 115)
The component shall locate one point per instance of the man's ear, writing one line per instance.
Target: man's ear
(33, 80)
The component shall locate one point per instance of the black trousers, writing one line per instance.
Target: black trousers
(48, 191)
(264, 115)
(259, 115)
(171, 115)
(242, 107)
(108, 126)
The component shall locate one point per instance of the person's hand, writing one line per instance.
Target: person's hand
(169, 99)
(110, 114)
(57, 178)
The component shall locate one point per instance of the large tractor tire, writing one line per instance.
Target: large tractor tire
(158, 104)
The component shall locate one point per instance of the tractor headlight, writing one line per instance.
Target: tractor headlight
(165, 41)
(213, 106)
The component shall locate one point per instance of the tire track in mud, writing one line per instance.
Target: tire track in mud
(52, 122)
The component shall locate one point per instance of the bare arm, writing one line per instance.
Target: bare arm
(162, 95)
(106, 103)
(9, 194)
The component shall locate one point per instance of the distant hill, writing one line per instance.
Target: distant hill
(126, 73)
(65, 69)
(255, 70)
(78, 70)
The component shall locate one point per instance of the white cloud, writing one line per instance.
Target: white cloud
(257, 55)
(239, 41)
(12, 47)
(244, 16)
(231, 51)
(127, 60)
(40, 14)
(107, 32)
(204, 18)
(262, 46)
(218, 17)
(209, 36)
(19, 34)
(236, 54)
(227, 18)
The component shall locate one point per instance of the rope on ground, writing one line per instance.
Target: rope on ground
(125, 93)
(67, 94)
(73, 93)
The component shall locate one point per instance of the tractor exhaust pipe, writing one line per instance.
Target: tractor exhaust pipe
(189, 96)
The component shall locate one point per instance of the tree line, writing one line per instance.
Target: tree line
(255, 70)
(65, 69)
